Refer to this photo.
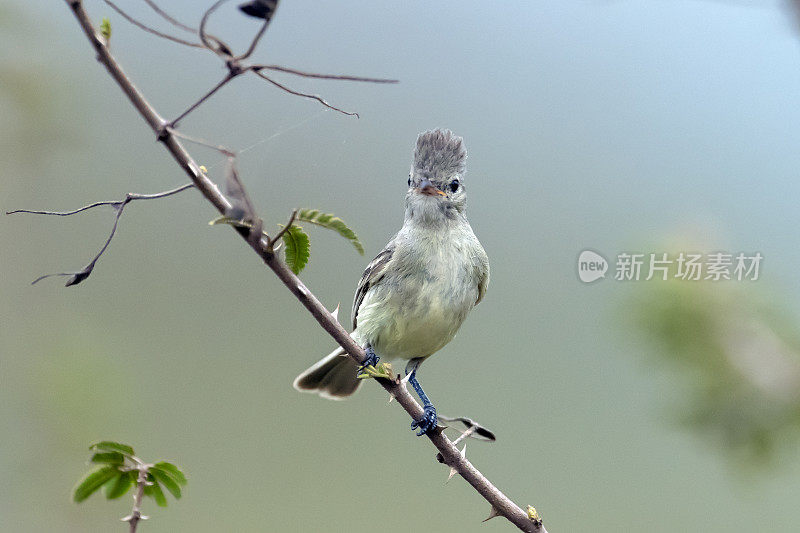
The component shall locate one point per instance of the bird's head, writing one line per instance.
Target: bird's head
(436, 182)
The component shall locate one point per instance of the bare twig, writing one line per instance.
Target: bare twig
(85, 272)
(166, 16)
(304, 95)
(320, 76)
(450, 454)
(223, 52)
(256, 39)
(283, 230)
(235, 64)
(119, 207)
(148, 29)
(228, 77)
(128, 198)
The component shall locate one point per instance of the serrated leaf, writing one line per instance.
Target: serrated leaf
(297, 248)
(332, 222)
(119, 486)
(111, 458)
(155, 492)
(111, 446)
(165, 479)
(93, 481)
(172, 470)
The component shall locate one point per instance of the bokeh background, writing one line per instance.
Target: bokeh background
(646, 126)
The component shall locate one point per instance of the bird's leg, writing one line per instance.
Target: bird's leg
(429, 419)
(371, 360)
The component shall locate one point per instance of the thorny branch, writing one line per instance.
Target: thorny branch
(136, 513)
(501, 505)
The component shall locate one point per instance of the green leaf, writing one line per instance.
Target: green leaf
(155, 492)
(93, 481)
(166, 480)
(112, 458)
(327, 220)
(105, 28)
(110, 446)
(119, 486)
(297, 248)
(173, 471)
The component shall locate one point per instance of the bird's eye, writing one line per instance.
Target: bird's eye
(454, 185)
(409, 182)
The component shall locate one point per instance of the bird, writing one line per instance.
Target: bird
(414, 296)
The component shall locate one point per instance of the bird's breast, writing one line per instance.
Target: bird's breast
(421, 303)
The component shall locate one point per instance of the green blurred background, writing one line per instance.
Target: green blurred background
(617, 126)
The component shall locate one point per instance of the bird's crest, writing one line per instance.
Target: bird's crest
(439, 155)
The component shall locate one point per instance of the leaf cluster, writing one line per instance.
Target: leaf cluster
(119, 470)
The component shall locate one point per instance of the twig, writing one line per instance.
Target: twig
(119, 206)
(225, 52)
(136, 512)
(282, 231)
(256, 39)
(148, 29)
(450, 454)
(172, 20)
(320, 76)
(228, 77)
(305, 95)
(235, 64)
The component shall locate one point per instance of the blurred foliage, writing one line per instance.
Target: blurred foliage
(27, 100)
(739, 360)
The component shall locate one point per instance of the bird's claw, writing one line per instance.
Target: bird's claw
(370, 361)
(427, 422)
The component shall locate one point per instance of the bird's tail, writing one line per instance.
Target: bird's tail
(333, 377)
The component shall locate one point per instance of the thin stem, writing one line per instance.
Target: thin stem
(228, 77)
(169, 18)
(464, 435)
(304, 95)
(283, 230)
(128, 197)
(148, 29)
(204, 37)
(136, 512)
(256, 39)
(305, 74)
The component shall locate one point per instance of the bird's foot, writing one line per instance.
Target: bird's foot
(383, 370)
(367, 368)
(428, 421)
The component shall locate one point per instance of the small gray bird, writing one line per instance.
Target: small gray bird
(416, 293)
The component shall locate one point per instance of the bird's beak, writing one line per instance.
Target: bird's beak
(428, 189)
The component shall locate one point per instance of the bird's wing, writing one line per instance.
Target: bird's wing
(372, 275)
